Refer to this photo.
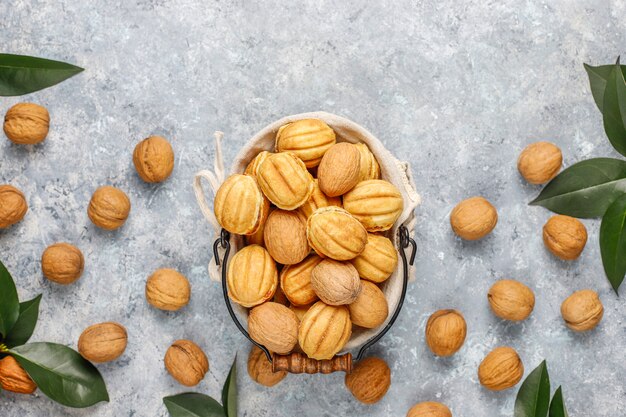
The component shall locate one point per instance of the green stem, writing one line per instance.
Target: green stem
(3, 348)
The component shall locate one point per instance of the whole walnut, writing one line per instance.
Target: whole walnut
(369, 381)
(429, 409)
(260, 369)
(565, 237)
(103, 342)
(370, 170)
(582, 310)
(339, 170)
(239, 206)
(377, 204)
(14, 378)
(154, 159)
(501, 369)
(324, 330)
(168, 289)
(332, 232)
(295, 281)
(252, 277)
(511, 300)
(253, 166)
(285, 237)
(317, 200)
(186, 362)
(26, 123)
(378, 260)
(445, 332)
(308, 139)
(285, 181)
(274, 326)
(109, 207)
(540, 162)
(62, 263)
(370, 309)
(336, 283)
(474, 218)
(13, 206)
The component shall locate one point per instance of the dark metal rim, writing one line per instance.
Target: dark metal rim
(405, 241)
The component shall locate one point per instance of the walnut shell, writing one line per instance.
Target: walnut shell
(26, 123)
(336, 283)
(285, 181)
(429, 409)
(103, 342)
(109, 207)
(333, 232)
(295, 281)
(378, 260)
(253, 166)
(370, 309)
(474, 218)
(582, 310)
(153, 158)
(317, 200)
(540, 162)
(62, 263)
(13, 206)
(375, 203)
(274, 326)
(511, 300)
(14, 378)
(501, 369)
(445, 332)
(339, 170)
(168, 289)
(285, 237)
(308, 139)
(370, 170)
(565, 237)
(240, 206)
(260, 369)
(252, 276)
(369, 381)
(186, 362)
(324, 330)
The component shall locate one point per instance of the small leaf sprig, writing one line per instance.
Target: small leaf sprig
(60, 372)
(201, 405)
(597, 187)
(533, 397)
(22, 74)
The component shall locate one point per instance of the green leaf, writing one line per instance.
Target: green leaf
(62, 374)
(9, 303)
(613, 242)
(229, 391)
(25, 324)
(585, 189)
(191, 404)
(597, 81)
(614, 109)
(21, 74)
(533, 397)
(557, 406)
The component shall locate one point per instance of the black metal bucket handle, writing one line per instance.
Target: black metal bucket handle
(405, 241)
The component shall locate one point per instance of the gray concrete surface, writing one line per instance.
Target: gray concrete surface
(456, 87)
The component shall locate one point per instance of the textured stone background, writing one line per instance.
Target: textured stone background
(457, 88)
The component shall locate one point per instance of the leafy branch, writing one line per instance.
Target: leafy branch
(60, 372)
(533, 397)
(200, 405)
(597, 187)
